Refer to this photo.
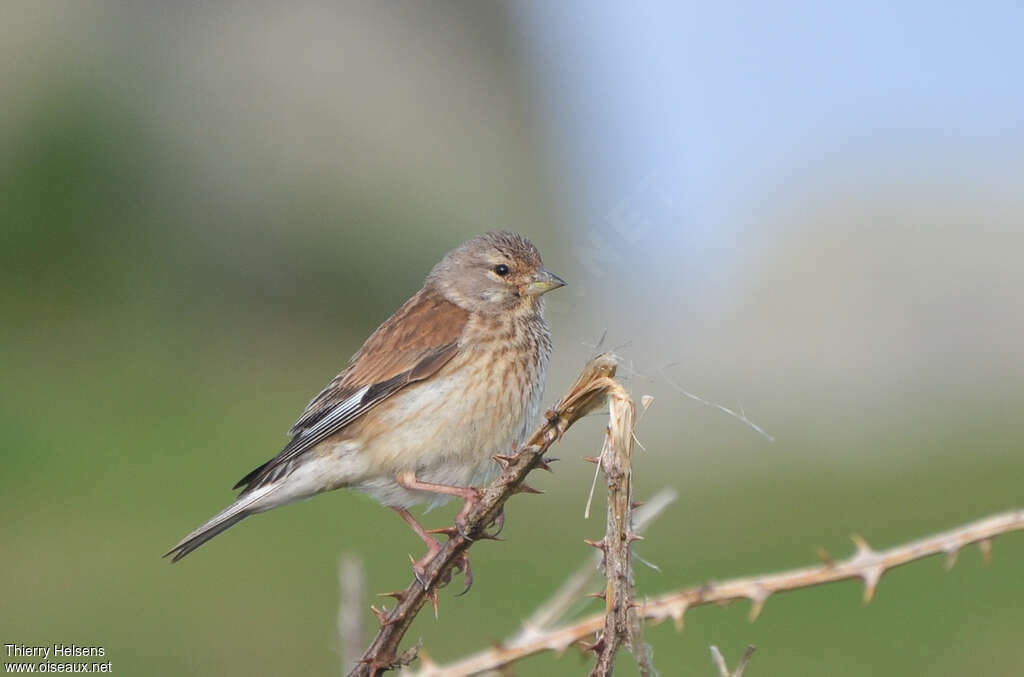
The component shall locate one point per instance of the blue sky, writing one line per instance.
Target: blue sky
(726, 105)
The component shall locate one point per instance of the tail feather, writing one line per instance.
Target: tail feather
(202, 535)
(248, 503)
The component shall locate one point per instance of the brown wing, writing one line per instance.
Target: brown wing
(420, 338)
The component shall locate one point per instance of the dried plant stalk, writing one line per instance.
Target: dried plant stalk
(585, 395)
(351, 584)
(621, 627)
(575, 586)
(866, 564)
(570, 592)
(723, 668)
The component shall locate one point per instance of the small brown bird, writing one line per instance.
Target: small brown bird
(452, 378)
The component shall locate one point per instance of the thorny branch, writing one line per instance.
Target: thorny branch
(586, 394)
(575, 586)
(621, 626)
(866, 564)
(571, 592)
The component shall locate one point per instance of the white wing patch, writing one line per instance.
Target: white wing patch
(336, 418)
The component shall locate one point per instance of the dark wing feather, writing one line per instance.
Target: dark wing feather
(411, 346)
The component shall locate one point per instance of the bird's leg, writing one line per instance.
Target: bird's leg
(419, 567)
(471, 495)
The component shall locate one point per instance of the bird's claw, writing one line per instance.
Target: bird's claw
(419, 567)
(472, 496)
(420, 575)
(498, 523)
(419, 570)
(467, 572)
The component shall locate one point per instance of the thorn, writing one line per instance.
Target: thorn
(757, 601)
(595, 647)
(450, 532)
(985, 545)
(525, 488)
(381, 614)
(825, 557)
(677, 617)
(432, 596)
(504, 461)
(399, 595)
(636, 537)
(636, 504)
(598, 595)
(862, 546)
(595, 544)
(871, 577)
(592, 459)
(951, 553)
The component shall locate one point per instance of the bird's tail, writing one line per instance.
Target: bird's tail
(248, 503)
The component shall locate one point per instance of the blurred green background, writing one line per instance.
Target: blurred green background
(206, 208)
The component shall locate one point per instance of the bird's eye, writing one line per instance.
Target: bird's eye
(501, 269)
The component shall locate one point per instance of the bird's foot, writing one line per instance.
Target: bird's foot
(498, 523)
(420, 566)
(472, 496)
(462, 564)
(462, 560)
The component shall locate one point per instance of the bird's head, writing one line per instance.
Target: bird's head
(493, 273)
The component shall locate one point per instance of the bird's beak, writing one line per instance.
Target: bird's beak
(542, 282)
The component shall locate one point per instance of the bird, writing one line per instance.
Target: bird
(452, 378)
